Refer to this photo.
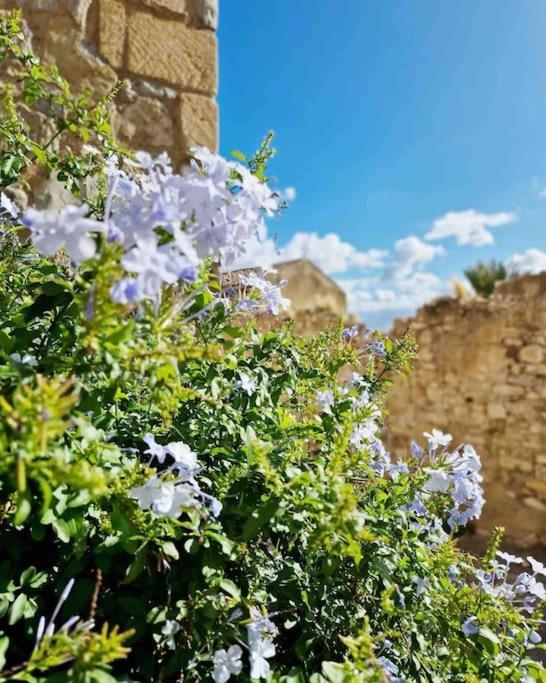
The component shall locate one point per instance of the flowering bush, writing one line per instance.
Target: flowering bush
(184, 497)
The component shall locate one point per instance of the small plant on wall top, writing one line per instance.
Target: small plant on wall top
(484, 276)
(186, 498)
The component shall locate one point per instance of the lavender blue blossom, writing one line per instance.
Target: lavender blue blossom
(350, 332)
(51, 230)
(436, 439)
(456, 474)
(470, 626)
(376, 348)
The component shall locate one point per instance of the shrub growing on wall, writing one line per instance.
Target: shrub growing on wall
(184, 497)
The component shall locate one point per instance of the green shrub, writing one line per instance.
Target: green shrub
(184, 497)
(484, 276)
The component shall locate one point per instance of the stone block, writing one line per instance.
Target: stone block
(538, 486)
(199, 121)
(206, 13)
(146, 123)
(170, 51)
(532, 353)
(112, 28)
(534, 503)
(177, 6)
(83, 68)
(79, 9)
(509, 463)
(496, 411)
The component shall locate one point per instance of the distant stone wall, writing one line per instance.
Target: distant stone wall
(164, 49)
(481, 375)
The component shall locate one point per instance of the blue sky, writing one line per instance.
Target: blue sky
(413, 133)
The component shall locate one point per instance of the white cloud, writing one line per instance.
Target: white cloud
(364, 296)
(288, 194)
(409, 253)
(531, 261)
(469, 227)
(330, 253)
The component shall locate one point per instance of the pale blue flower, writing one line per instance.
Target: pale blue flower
(246, 383)
(470, 626)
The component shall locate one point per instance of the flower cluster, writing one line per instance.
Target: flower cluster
(176, 489)
(269, 297)
(456, 474)
(524, 591)
(168, 224)
(260, 634)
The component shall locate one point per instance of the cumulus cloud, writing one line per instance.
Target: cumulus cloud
(408, 254)
(469, 227)
(405, 296)
(288, 194)
(530, 261)
(330, 253)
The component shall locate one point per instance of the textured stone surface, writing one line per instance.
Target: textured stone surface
(178, 6)
(144, 121)
(480, 377)
(198, 120)
(83, 69)
(79, 9)
(532, 353)
(171, 51)
(206, 12)
(112, 21)
(165, 49)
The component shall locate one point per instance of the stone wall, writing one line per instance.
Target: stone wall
(164, 49)
(481, 375)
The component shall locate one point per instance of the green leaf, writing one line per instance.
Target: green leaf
(489, 640)
(239, 155)
(229, 587)
(17, 609)
(62, 530)
(4, 644)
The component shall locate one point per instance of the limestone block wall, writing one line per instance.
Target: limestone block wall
(164, 49)
(481, 375)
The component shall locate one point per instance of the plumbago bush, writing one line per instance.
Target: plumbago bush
(186, 498)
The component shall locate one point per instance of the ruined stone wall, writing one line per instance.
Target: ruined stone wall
(481, 375)
(164, 49)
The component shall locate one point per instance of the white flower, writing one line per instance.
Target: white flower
(50, 231)
(261, 649)
(226, 663)
(508, 558)
(9, 211)
(26, 359)
(324, 400)
(439, 482)
(437, 438)
(170, 629)
(165, 499)
(538, 567)
(154, 449)
(184, 457)
(260, 626)
(246, 383)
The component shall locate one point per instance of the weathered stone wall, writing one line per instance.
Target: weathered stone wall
(164, 49)
(481, 375)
